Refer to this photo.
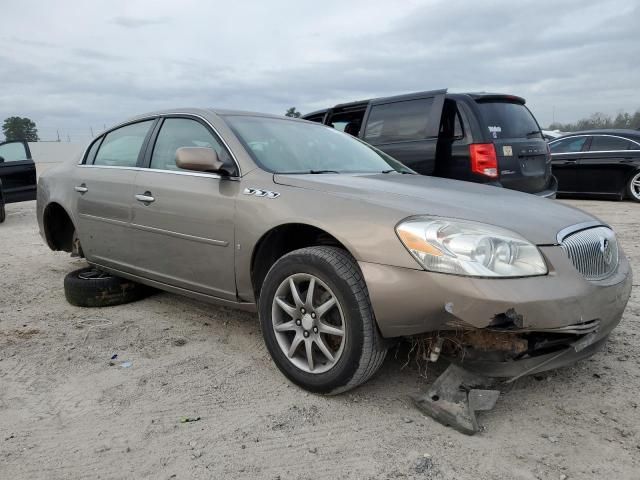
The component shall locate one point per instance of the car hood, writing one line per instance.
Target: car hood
(537, 219)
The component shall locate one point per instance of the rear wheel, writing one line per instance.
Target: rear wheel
(3, 213)
(317, 320)
(633, 187)
(90, 287)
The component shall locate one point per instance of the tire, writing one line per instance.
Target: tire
(356, 354)
(89, 287)
(3, 213)
(633, 187)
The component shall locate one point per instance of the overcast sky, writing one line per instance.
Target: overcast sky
(72, 65)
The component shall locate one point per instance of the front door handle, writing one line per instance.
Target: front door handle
(81, 188)
(145, 198)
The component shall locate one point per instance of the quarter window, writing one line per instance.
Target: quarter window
(398, 122)
(91, 154)
(568, 145)
(601, 143)
(183, 132)
(121, 147)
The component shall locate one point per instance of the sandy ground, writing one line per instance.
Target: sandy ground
(66, 413)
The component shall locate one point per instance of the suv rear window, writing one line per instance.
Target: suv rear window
(508, 120)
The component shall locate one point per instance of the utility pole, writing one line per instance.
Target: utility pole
(92, 135)
(58, 134)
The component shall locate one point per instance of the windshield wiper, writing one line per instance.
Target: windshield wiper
(315, 172)
(534, 132)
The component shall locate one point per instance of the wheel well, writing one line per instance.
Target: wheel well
(58, 228)
(281, 240)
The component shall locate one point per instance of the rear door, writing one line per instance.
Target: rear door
(103, 186)
(566, 154)
(606, 165)
(524, 162)
(406, 127)
(17, 172)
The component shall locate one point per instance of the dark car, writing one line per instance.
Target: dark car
(478, 137)
(17, 174)
(603, 163)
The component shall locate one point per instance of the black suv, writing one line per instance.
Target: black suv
(479, 137)
(17, 174)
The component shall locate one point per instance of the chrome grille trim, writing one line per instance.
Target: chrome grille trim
(593, 252)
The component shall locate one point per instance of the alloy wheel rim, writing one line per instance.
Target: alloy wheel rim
(635, 186)
(308, 323)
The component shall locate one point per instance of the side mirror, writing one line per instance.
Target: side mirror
(199, 159)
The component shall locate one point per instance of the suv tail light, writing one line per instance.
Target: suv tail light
(484, 160)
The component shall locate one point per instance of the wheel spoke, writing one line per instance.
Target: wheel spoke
(325, 307)
(324, 349)
(285, 327)
(295, 294)
(312, 285)
(308, 347)
(294, 345)
(289, 310)
(330, 329)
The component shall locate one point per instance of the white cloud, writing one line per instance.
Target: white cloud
(76, 65)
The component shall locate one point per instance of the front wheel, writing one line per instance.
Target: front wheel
(633, 187)
(317, 321)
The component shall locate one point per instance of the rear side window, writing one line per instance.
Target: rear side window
(508, 120)
(120, 148)
(398, 122)
(183, 132)
(603, 143)
(568, 145)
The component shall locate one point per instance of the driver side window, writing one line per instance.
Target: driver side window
(183, 132)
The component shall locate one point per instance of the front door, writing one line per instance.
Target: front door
(17, 172)
(183, 221)
(103, 186)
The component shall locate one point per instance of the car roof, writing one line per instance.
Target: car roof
(200, 111)
(620, 132)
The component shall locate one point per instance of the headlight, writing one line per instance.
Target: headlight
(469, 248)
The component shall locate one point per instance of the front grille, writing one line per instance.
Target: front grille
(594, 252)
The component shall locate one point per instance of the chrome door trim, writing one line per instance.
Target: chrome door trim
(164, 115)
(103, 219)
(183, 236)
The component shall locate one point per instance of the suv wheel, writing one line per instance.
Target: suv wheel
(633, 187)
(90, 287)
(317, 321)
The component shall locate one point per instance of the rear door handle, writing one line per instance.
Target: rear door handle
(81, 188)
(145, 197)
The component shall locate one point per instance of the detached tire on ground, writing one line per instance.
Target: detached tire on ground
(317, 320)
(89, 287)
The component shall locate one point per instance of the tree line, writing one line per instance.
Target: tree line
(601, 120)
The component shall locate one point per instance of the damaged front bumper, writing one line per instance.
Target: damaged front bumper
(547, 321)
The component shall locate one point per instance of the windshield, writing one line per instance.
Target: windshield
(286, 146)
(509, 120)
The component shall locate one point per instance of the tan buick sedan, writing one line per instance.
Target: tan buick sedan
(338, 247)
